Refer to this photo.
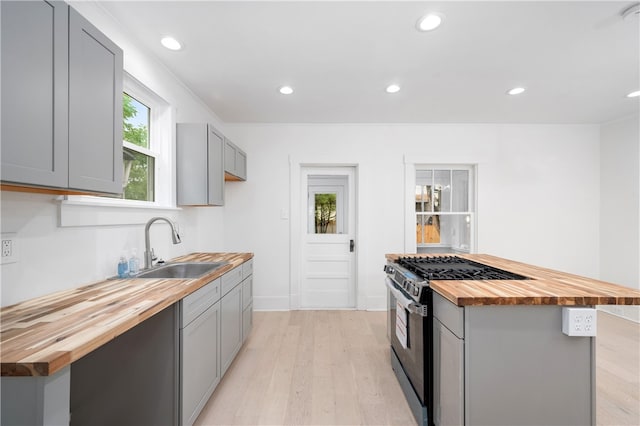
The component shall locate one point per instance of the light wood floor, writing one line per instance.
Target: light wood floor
(332, 368)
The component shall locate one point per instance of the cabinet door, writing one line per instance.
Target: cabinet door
(200, 363)
(34, 50)
(216, 170)
(231, 327)
(95, 109)
(241, 165)
(247, 292)
(229, 157)
(247, 322)
(448, 376)
(191, 164)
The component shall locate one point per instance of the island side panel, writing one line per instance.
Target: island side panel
(521, 369)
(36, 400)
(133, 379)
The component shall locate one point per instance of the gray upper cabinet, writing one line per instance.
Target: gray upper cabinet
(199, 165)
(34, 92)
(235, 162)
(61, 100)
(95, 108)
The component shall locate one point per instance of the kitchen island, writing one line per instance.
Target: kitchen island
(501, 355)
(112, 328)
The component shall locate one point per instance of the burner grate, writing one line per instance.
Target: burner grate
(455, 268)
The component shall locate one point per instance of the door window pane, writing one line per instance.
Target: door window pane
(325, 213)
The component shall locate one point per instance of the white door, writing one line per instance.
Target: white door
(328, 238)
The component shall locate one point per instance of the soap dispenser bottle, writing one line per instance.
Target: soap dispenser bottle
(134, 264)
(123, 267)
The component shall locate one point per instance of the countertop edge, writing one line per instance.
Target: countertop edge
(57, 360)
(600, 292)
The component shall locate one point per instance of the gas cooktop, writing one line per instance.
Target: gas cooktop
(454, 268)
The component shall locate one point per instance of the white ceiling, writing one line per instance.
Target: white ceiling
(577, 59)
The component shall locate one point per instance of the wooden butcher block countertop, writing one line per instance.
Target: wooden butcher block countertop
(545, 287)
(43, 335)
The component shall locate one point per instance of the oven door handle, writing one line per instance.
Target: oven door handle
(407, 303)
(404, 300)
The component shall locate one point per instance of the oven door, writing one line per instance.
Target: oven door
(414, 354)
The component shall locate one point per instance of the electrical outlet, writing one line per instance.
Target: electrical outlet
(579, 321)
(9, 249)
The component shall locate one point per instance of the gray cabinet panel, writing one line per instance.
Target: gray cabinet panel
(216, 173)
(199, 165)
(231, 279)
(34, 92)
(229, 157)
(231, 330)
(235, 161)
(449, 376)
(199, 301)
(241, 165)
(247, 322)
(247, 292)
(191, 163)
(200, 363)
(95, 108)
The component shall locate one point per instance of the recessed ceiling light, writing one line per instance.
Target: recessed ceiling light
(171, 43)
(286, 90)
(516, 91)
(634, 94)
(429, 22)
(393, 88)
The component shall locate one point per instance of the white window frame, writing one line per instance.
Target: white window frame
(161, 135)
(412, 166)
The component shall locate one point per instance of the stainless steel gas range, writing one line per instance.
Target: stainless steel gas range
(411, 322)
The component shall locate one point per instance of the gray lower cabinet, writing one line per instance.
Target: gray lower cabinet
(231, 335)
(163, 371)
(200, 348)
(61, 100)
(199, 165)
(510, 365)
(449, 376)
(235, 162)
(247, 307)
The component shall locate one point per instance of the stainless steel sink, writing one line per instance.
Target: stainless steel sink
(181, 270)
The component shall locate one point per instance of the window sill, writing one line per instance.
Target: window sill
(96, 212)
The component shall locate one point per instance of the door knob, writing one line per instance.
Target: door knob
(352, 245)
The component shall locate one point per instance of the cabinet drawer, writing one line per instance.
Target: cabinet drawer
(450, 315)
(199, 301)
(247, 269)
(231, 279)
(247, 292)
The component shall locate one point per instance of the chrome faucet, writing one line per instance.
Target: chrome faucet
(148, 251)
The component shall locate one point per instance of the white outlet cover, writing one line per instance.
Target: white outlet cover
(14, 248)
(579, 321)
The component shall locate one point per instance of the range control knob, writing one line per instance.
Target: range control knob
(389, 269)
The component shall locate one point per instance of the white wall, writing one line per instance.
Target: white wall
(53, 258)
(537, 189)
(620, 212)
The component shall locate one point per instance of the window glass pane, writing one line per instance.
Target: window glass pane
(460, 191)
(419, 230)
(432, 229)
(442, 191)
(136, 121)
(418, 198)
(139, 176)
(325, 213)
(426, 198)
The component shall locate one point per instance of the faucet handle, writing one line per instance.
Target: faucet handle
(153, 256)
